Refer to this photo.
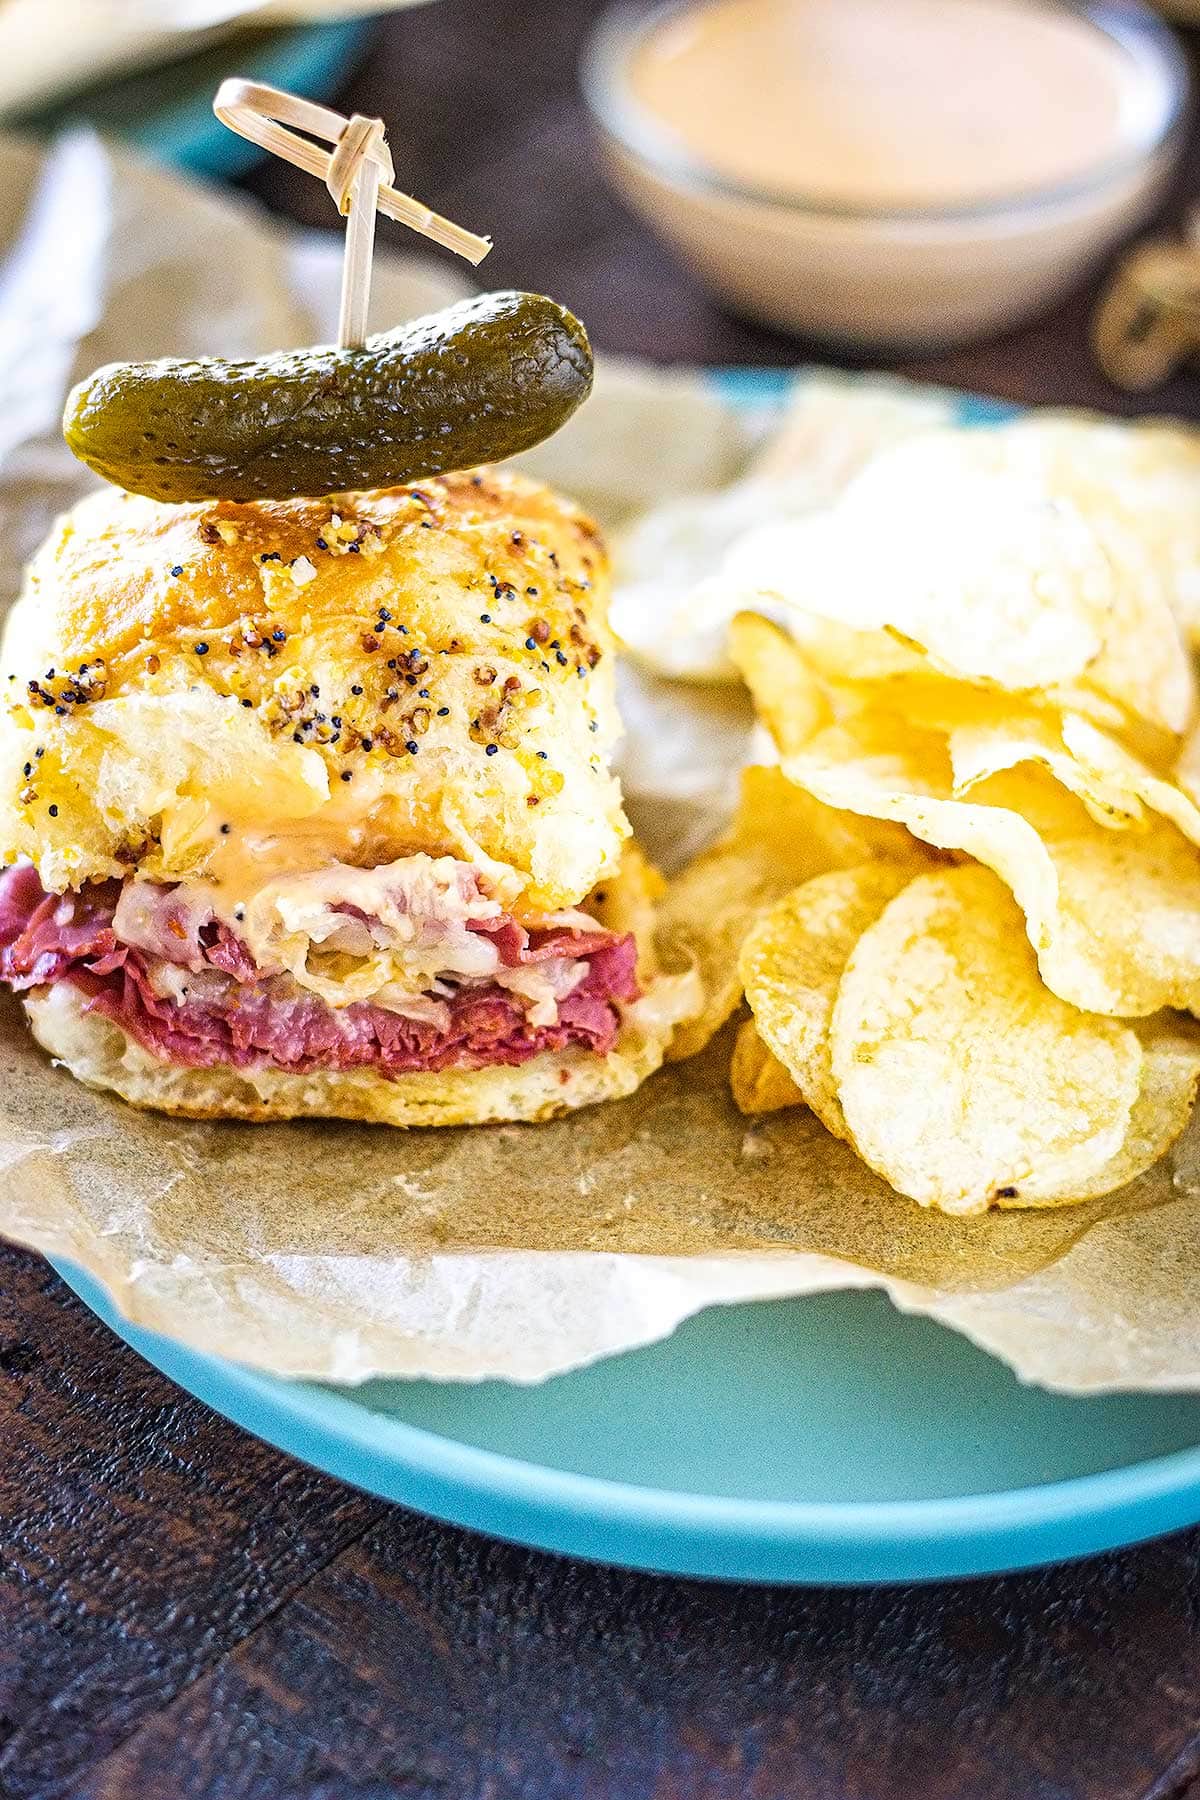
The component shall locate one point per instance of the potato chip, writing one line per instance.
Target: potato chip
(940, 546)
(800, 683)
(1112, 915)
(791, 964)
(1141, 482)
(1160, 1115)
(991, 744)
(1114, 785)
(1101, 756)
(862, 669)
(759, 1082)
(1155, 746)
(962, 1078)
(1141, 500)
(672, 601)
(789, 698)
(976, 555)
(988, 734)
(843, 654)
(1187, 769)
(780, 838)
(1126, 930)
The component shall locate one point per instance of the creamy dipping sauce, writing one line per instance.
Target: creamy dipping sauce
(898, 103)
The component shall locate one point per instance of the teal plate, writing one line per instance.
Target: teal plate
(167, 111)
(828, 1439)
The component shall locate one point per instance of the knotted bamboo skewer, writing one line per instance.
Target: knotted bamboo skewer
(358, 173)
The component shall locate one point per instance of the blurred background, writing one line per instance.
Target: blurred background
(488, 122)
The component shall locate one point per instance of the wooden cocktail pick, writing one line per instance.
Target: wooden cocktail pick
(358, 173)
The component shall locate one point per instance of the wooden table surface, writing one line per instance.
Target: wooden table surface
(186, 1613)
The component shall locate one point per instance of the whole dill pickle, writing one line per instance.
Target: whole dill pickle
(471, 384)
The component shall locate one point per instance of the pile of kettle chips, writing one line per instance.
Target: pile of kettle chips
(962, 904)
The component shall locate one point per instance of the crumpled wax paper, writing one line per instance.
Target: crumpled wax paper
(50, 48)
(342, 1251)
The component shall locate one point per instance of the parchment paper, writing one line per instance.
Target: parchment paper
(342, 1251)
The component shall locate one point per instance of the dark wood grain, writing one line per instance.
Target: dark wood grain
(139, 1545)
(451, 1663)
(185, 1613)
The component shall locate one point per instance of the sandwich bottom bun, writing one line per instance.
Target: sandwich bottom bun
(101, 1055)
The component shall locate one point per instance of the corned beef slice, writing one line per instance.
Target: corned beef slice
(252, 1021)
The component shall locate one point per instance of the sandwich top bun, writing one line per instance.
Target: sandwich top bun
(357, 678)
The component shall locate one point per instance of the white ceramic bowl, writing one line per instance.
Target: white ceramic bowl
(898, 279)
